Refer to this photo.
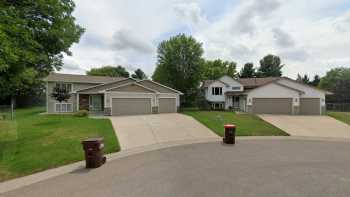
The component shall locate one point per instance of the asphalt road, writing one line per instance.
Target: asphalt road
(268, 168)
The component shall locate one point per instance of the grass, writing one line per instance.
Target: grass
(342, 116)
(35, 142)
(247, 124)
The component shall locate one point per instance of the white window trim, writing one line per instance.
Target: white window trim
(71, 84)
(66, 107)
(213, 88)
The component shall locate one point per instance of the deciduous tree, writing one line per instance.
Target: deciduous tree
(179, 63)
(33, 37)
(110, 71)
(247, 71)
(270, 66)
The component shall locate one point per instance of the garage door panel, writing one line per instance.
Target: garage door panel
(310, 106)
(272, 105)
(167, 105)
(131, 106)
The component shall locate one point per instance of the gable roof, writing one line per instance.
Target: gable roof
(307, 85)
(250, 83)
(124, 87)
(157, 86)
(72, 78)
(106, 85)
(276, 83)
(206, 83)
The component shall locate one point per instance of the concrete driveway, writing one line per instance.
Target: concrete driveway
(312, 126)
(251, 168)
(143, 130)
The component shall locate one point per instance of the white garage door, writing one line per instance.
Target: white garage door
(167, 105)
(131, 106)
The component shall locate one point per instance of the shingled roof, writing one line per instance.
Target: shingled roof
(249, 83)
(81, 78)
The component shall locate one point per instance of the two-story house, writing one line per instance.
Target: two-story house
(271, 95)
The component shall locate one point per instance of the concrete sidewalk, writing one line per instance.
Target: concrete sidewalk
(311, 126)
(144, 130)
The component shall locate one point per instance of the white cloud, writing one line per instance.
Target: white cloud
(310, 37)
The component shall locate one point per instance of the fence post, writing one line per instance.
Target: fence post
(11, 109)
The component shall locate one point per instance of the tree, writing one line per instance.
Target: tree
(270, 66)
(109, 71)
(33, 37)
(139, 74)
(60, 94)
(247, 71)
(305, 79)
(299, 78)
(316, 81)
(178, 66)
(337, 80)
(214, 69)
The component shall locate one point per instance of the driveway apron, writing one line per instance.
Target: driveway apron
(311, 126)
(143, 130)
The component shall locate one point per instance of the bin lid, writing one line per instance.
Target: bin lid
(97, 139)
(229, 126)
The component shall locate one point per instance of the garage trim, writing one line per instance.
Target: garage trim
(290, 103)
(111, 101)
(175, 106)
(309, 106)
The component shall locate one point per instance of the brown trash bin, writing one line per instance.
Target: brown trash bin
(230, 134)
(93, 148)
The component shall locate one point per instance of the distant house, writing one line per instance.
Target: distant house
(111, 95)
(271, 95)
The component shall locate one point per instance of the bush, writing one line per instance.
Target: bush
(81, 113)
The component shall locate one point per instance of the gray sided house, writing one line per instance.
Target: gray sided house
(111, 95)
(271, 95)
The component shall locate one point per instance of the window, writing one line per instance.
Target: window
(236, 88)
(67, 86)
(63, 107)
(216, 90)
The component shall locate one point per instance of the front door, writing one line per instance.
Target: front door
(95, 102)
(235, 102)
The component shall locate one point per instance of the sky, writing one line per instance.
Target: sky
(311, 37)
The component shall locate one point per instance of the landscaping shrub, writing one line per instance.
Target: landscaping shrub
(81, 113)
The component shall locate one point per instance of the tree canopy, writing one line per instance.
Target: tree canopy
(214, 69)
(270, 66)
(179, 63)
(337, 80)
(110, 71)
(247, 71)
(33, 37)
(139, 74)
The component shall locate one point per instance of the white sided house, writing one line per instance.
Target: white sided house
(111, 95)
(271, 95)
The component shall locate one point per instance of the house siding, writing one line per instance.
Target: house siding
(73, 99)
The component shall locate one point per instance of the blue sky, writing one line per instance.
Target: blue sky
(310, 36)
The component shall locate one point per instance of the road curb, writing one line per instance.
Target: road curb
(51, 173)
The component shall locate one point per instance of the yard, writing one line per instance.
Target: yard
(342, 116)
(247, 124)
(35, 142)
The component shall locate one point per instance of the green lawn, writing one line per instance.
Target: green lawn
(342, 116)
(247, 124)
(36, 142)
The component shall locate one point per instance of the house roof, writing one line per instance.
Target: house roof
(81, 78)
(256, 82)
(206, 83)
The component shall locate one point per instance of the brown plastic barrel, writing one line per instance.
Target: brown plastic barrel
(93, 148)
(230, 134)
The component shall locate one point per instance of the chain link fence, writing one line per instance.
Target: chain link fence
(8, 132)
(343, 107)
